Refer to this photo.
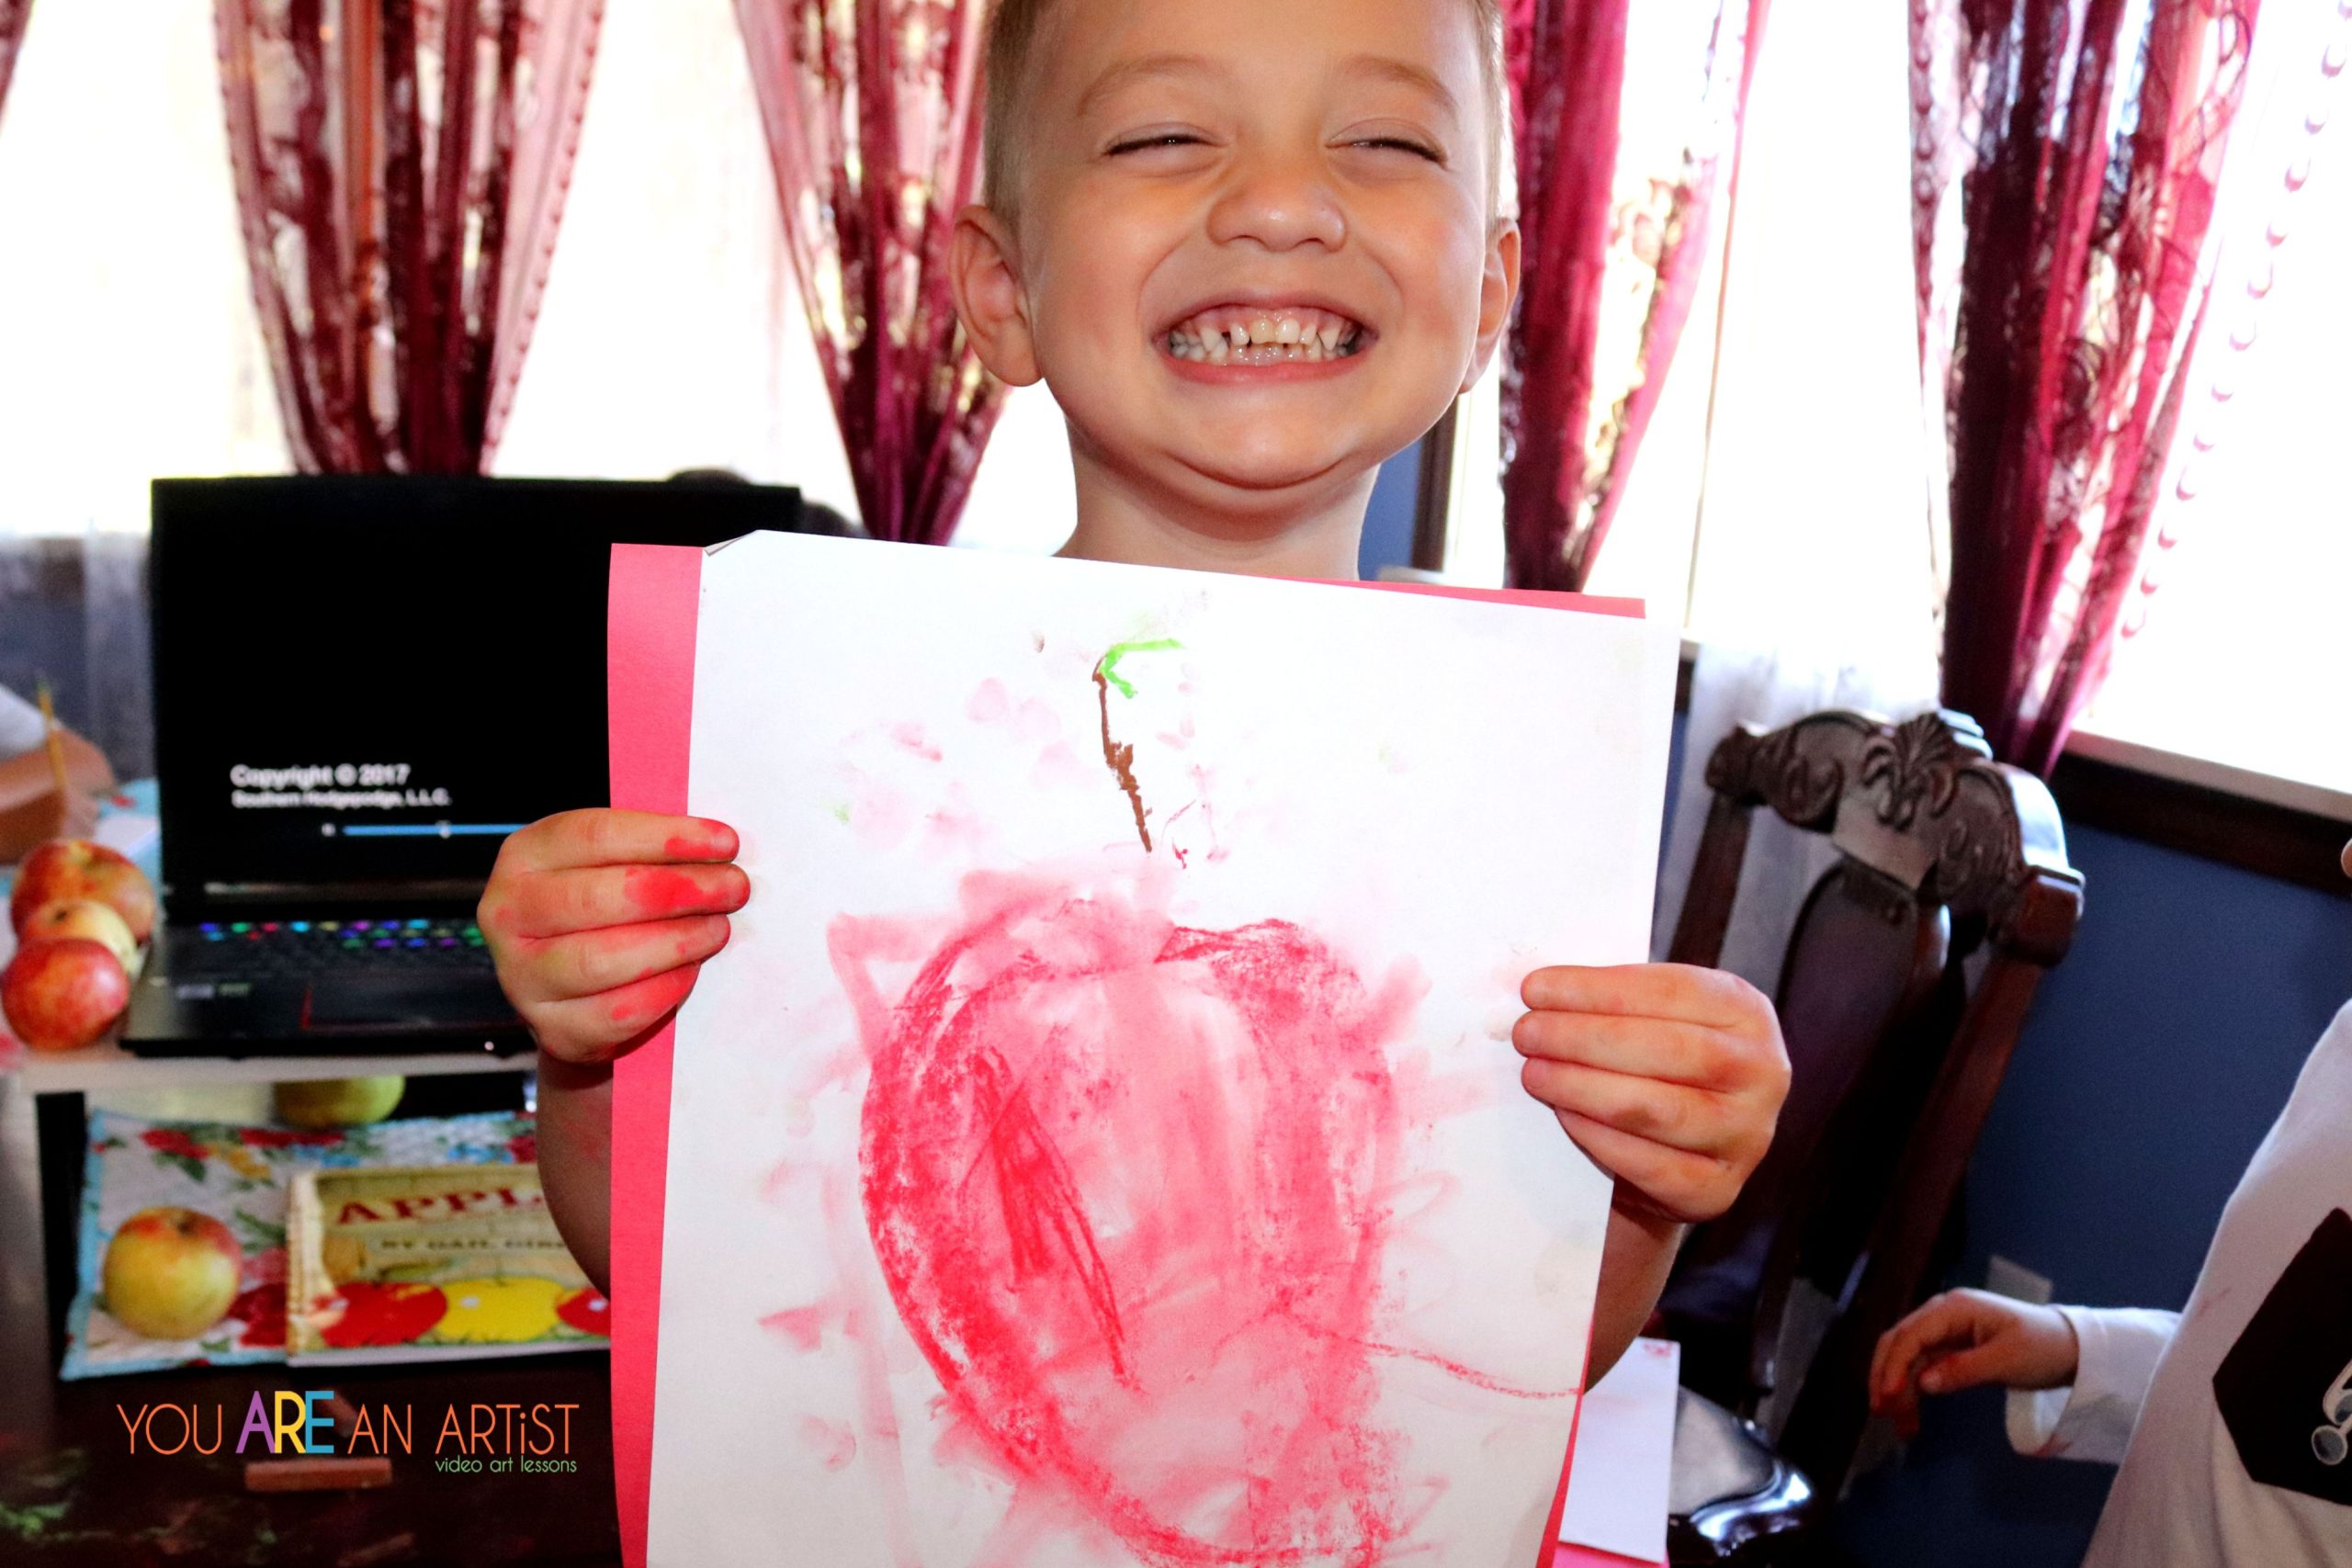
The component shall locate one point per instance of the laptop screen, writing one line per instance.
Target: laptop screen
(363, 684)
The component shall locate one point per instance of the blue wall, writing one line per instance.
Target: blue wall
(2156, 1057)
(1388, 521)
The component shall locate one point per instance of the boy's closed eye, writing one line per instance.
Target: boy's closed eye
(1172, 141)
(1395, 141)
(1150, 140)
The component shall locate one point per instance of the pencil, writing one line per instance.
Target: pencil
(55, 736)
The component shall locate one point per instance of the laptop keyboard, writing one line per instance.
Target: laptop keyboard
(255, 950)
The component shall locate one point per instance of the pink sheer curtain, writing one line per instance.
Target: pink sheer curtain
(400, 169)
(873, 117)
(2063, 180)
(1611, 253)
(14, 15)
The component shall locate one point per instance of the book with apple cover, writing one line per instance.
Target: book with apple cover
(432, 1263)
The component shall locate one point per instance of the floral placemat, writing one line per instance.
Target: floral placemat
(240, 1176)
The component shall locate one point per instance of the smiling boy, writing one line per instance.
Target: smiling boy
(1253, 248)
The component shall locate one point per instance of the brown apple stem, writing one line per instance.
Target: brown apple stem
(1120, 757)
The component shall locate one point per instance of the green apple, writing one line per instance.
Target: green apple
(339, 1102)
(170, 1273)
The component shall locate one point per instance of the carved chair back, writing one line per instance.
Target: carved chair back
(1905, 982)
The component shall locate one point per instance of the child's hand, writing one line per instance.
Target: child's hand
(599, 921)
(1669, 1076)
(1963, 1339)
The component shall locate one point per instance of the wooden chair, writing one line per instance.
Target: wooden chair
(1906, 980)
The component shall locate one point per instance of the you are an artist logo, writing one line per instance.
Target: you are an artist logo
(471, 1438)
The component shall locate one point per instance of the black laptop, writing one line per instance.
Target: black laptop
(361, 687)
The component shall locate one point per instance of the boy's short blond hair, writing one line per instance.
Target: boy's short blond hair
(1014, 27)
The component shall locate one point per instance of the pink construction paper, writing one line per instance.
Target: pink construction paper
(655, 601)
(1536, 598)
(1587, 1557)
(654, 605)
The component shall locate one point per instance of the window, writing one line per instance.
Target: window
(2239, 650)
(1802, 516)
(671, 334)
(128, 344)
(1781, 489)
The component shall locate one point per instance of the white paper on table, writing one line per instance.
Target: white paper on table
(1624, 1469)
(1036, 1199)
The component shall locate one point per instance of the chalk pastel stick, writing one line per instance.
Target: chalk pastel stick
(341, 1474)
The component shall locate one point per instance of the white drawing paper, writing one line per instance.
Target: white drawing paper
(1100, 1143)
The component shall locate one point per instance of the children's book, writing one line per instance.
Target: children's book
(432, 1263)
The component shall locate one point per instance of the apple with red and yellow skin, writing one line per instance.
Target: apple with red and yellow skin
(65, 869)
(84, 917)
(62, 995)
(171, 1273)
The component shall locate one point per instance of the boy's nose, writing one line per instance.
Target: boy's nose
(1279, 203)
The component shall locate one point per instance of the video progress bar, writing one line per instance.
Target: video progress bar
(429, 830)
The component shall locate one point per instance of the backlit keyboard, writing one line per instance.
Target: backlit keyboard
(254, 949)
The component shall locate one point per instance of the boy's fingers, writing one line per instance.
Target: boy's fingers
(571, 838)
(1900, 1348)
(1646, 1048)
(1673, 1114)
(1713, 997)
(1987, 1363)
(1685, 1187)
(587, 963)
(599, 1028)
(555, 903)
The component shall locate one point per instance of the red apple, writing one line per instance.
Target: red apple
(1129, 1188)
(82, 918)
(586, 1311)
(171, 1273)
(62, 995)
(365, 1312)
(64, 869)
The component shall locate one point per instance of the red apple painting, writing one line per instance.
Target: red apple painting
(1099, 1145)
(1125, 1183)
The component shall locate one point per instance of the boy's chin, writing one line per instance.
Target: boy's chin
(1249, 482)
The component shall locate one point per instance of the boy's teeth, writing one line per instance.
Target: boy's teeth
(1220, 337)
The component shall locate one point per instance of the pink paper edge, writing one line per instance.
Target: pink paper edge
(1534, 598)
(655, 601)
(1572, 1556)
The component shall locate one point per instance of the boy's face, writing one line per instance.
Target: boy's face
(1195, 172)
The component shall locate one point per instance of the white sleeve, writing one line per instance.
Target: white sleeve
(2120, 1347)
(20, 727)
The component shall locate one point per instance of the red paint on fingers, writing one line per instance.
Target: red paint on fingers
(640, 1002)
(1125, 1183)
(714, 841)
(662, 891)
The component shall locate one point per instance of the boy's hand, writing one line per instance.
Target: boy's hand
(599, 921)
(1669, 1076)
(1963, 1339)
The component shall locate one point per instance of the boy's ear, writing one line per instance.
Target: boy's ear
(988, 295)
(1497, 287)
